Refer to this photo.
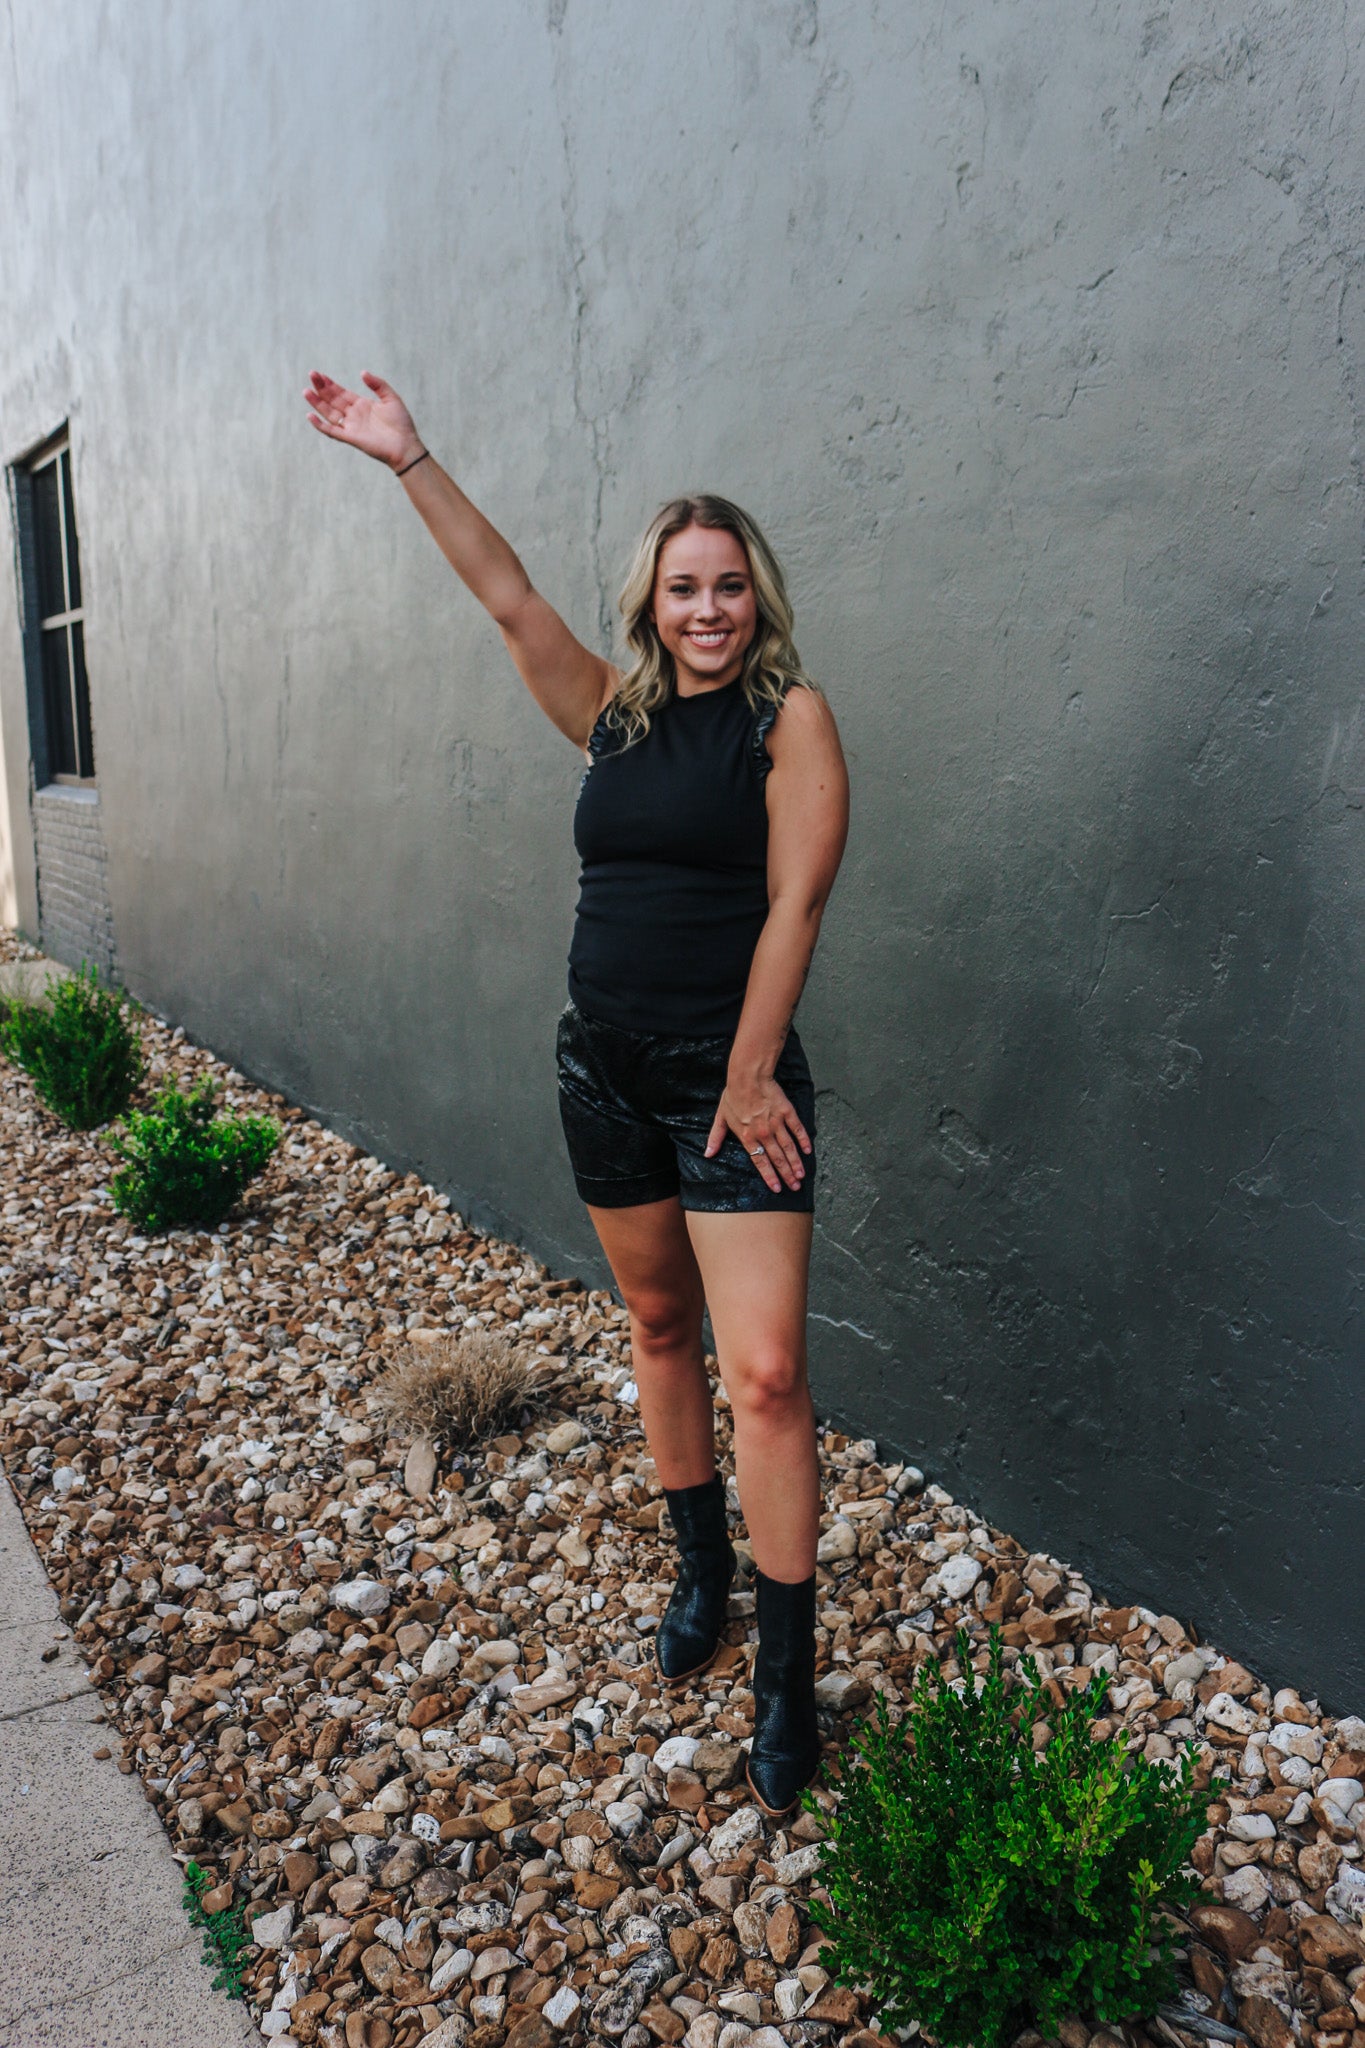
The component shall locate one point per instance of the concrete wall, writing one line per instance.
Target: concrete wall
(1033, 335)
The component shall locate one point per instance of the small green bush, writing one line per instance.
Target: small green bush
(224, 1934)
(182, 1163)
(981, 1886)
(80, 1048)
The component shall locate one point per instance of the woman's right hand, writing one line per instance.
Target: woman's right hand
(380, 426)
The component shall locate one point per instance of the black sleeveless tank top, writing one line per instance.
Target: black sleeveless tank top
(673, 836)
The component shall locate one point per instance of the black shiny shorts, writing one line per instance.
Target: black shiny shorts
(637, 1108)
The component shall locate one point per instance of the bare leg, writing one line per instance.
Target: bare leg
(652, 1259)
(755, 1268)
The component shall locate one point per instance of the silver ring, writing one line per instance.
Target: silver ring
(757, 1153)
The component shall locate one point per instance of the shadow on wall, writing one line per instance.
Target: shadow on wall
(1099, 1246)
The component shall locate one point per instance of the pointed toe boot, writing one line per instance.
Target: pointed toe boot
(688, 1635)
(785, 1753)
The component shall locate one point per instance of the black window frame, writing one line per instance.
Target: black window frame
(61, 734)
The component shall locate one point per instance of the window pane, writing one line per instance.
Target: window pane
(47, 521)
(61, 731)
(73, 559)
(85, 747)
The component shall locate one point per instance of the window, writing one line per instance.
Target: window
(63, 751)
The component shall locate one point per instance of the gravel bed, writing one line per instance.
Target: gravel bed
(408, 1714)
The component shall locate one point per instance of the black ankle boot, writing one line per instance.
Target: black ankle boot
(785, 1751)
(689, 1634)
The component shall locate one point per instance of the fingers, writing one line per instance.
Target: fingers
(780, 1139)
(717, 1135)
(763, 1165)
(377, 385)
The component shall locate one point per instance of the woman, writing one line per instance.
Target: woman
(711, 821)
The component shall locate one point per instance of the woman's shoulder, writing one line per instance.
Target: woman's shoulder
(805, 720)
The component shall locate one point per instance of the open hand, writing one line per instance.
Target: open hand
(762, 1117)
(380, 426)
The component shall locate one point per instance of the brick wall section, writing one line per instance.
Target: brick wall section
(75, 920)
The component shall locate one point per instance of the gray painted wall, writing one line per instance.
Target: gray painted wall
(1032, 333)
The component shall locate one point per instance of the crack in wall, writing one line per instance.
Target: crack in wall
(597, 433)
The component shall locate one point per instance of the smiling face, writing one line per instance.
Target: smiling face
(704, 608)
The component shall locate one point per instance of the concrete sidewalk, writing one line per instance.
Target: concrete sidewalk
(95, 1948)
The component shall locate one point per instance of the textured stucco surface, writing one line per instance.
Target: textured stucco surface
(1033, 334)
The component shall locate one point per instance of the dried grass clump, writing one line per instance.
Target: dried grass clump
(457, 1389)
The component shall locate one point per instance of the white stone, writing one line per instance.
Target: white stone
(729, 1836)
(1343, 1793)
(834, 1688)
(427, 1828)
(840, 1540)
(704, 2031)
(1226, 1712)
(1188, 1667)
(797, 1864)
(497, 1654)
(1247, 1888)
(677, 1753)
(442, 1656)
(1350, 1732)
(789, 1995)
(563, 1438)
(452, 1971)
(186, 1577)
(766, 2037)
(362, 1596)
(1292, 1739)
(734, 2034)
(1299, 1811)
(1251, 1827)
(741, 2005)
(272, 1930)
(450, 2034)
(561, 2010)
(1296, 1771)
(419, 1469)
(958, 1576)
(622, 1815)
(1346, 1899)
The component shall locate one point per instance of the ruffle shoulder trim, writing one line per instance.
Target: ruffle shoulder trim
(599, 739)
(764, 722)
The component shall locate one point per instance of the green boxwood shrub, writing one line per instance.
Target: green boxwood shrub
(980, 1885)
(184, 1165)
(80, 1048)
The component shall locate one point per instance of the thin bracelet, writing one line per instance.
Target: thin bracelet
(413, 464)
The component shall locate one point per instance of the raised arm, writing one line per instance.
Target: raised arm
(570, 683)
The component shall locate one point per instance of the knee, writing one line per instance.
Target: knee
(664, 1321)
(769, 1385)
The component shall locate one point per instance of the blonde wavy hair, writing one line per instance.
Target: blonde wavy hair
(771, 662)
